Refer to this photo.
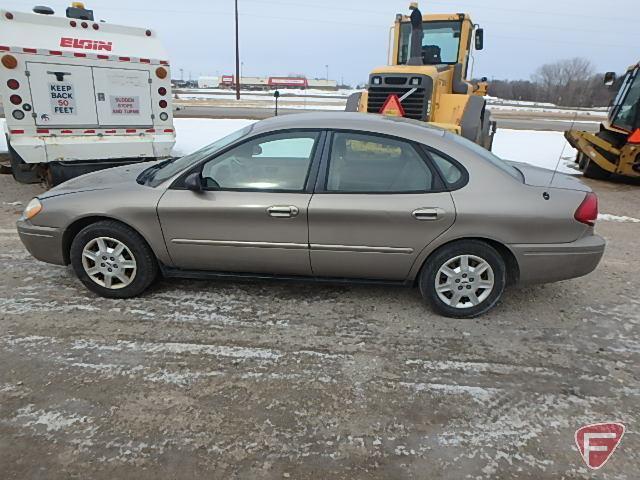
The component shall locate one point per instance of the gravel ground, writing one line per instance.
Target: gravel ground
(238, 380)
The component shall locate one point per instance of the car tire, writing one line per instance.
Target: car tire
(486, 286)
(113, 260)
(595, 171)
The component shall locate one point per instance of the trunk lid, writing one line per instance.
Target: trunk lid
(541, 177)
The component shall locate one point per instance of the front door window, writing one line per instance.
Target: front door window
(277, 162)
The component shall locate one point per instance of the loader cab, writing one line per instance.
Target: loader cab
(446, 40)
(625, 109)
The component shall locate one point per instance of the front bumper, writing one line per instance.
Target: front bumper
(44, 243)
(544, 263)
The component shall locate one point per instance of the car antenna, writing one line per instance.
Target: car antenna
(555, 170)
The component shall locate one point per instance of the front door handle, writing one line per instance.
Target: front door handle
(283, 211)
(426, 213)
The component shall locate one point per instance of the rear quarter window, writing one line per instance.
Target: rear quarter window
(453, 174)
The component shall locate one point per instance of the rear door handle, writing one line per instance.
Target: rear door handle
(282, 211)
(426, 213)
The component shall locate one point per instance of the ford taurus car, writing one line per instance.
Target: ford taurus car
(327, 197)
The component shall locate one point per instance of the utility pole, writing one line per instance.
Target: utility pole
(181, 75)
(237, 57)
(327, 67)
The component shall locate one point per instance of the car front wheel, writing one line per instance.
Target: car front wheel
(463, 279)
(113, 260)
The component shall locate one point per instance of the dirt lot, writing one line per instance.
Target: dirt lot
(263, 380)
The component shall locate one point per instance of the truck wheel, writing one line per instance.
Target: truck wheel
(463, 279)
(113, 260)
(595, 171)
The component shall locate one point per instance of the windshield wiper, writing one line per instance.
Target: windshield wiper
(148, 173)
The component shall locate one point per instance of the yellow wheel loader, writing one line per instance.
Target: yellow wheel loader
(427, 77)
(615, 149)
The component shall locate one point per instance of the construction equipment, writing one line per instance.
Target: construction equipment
(429, 80)
(615, 149)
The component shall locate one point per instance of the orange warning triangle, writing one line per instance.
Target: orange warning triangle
(392, 106)
(634, 137)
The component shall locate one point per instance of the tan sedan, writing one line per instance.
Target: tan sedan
(326, 197)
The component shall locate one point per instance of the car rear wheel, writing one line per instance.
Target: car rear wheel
(113, 260)
(463, 279)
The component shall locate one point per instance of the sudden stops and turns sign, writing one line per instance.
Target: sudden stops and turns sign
(125, 105)
(62, 98)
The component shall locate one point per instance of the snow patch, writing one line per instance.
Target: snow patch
(480, 394)
(607, 217)
(179, 348)
(52, 420)
(541, 149)
(194, 133)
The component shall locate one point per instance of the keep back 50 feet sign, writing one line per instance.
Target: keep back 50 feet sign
(62, 98)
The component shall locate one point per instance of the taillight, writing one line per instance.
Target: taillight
(634, 137)
(13, 84)
(15, 99)
(587, 212)
(163, 104)
(162, 91)
(161, 73)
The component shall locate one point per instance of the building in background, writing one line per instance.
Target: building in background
(267, 83)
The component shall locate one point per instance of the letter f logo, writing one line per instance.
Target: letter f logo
(598, 441)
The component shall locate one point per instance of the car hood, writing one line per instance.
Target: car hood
(542, 177)
(101, 180)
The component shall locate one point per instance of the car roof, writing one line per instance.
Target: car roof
(366, 122)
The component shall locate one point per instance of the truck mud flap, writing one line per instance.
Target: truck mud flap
(22, 172)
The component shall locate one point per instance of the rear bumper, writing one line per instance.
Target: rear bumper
(72, 148)
(543, 263)
(44, 243)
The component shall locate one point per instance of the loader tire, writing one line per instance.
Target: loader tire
(582, 160)
(595, 171)
(353, 102)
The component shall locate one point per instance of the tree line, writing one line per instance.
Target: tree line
(571, 83)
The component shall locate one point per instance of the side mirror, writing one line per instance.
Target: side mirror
(479, 38)
(609, 78)
(193, 182)
(257, 150)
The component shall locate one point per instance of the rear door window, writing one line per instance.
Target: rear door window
(367, 163)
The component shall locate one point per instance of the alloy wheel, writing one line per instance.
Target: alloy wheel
(464, 281)
(109, 262)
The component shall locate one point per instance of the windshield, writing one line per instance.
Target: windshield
(160, 172)
(626, 104)
(487, 155)
(440, 42)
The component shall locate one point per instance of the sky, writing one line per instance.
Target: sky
(280, 37)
